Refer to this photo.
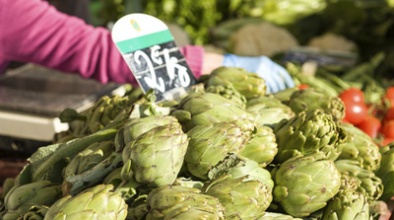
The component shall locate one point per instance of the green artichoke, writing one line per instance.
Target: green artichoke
(367, 182)
(47, 162)
(304, 184)
(35, 213)
(155, 157)
(268, 101)
(138, 208)
(134, 94)
(200, 108)
(347, 205)
(268, 110)
(311, 99)
(228, 92)
(104, 111)
(359, 146)
(146, 106)
(137, 126)
(127, 189)
(307, 133)
(261, 147)
(77, 125)
(75, 184)
(200, 101)
(277, 216)
(88, 158)
(349, 202)
(285, 94)
(248, 84)
(8, 184)
(243, 188)
(98, 202)
(180, 202)
(20, 198)
(386, 172)
(211, 143)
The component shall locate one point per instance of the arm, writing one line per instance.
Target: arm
(211, 61)
(33, 31)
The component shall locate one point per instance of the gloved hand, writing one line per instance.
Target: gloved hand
(277, 78)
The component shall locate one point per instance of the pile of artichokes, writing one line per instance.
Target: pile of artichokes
(224, 150)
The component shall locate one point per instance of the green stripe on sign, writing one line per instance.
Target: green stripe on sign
(145, 41)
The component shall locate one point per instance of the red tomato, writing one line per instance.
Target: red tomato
(389, 94)
(352, 95)
(303, 86)
(370, 125)
(355, 113)
(387, 141)
(388, 129)
(389, 114)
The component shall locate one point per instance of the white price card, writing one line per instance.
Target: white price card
(150, 52)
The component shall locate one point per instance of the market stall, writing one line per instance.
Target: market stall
(223, 148)
(262, 148)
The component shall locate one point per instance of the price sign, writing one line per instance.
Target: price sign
(150, 52)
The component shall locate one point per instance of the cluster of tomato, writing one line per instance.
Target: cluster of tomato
(376, 122)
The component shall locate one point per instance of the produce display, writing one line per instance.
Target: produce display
(224, 150)
(323, 150)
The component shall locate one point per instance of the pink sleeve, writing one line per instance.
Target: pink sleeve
(194, 58)
(33, 31)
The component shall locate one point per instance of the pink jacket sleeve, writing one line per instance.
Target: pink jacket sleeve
(33, 31)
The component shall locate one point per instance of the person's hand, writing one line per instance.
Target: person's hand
(276, 77)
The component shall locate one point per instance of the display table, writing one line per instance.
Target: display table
(32, 97)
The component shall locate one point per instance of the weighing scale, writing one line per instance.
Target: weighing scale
(32, 97)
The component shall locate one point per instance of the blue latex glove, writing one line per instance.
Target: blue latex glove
(277, 78)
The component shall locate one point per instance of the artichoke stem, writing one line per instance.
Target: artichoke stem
(75, 184)
(71, 148)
